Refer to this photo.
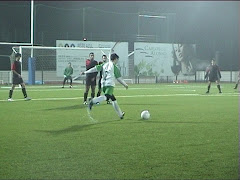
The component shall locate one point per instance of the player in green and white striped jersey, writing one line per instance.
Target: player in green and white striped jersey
(109, 72)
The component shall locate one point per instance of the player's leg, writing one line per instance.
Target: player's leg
(97, 99)
(11, 92)
(87, 87)
(218, 86)
(99, 88)
(108, 98)
(99, 92)
(116, 107)
(24, 91)
(64, 81)
(108, 91)
(209, 86)
(93, 87)
(236, 85)
(70, 78)
(14, 83)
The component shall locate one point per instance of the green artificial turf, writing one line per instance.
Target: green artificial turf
(190, 135)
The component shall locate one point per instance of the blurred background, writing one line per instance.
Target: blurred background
(213, 26)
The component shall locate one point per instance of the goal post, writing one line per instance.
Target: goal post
(5, 77)
(7, 56)
(46, 65)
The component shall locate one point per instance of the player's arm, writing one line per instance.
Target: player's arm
(96, 68)
(206, 75)
(71, 71)
(14, 70)
(219, 73)
(119, 78)
(121, 81)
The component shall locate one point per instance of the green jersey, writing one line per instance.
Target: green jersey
(109, 72)
(68, 71)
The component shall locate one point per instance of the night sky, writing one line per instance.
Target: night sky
(213, 25)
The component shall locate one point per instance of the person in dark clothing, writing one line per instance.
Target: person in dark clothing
(17, 78)
(104, 60)
(90, 78)
(213, 74)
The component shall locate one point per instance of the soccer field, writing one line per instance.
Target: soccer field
(190, 135)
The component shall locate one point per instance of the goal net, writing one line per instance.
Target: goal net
(47, 64)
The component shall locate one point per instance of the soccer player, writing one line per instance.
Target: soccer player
(238, 80)
(104, 60)
(213, 74)
(17, 78)
(90, 77)
(68, 75)
(109, 72)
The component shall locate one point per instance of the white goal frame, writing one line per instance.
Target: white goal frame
(20, 49)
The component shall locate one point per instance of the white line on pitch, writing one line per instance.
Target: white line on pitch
(157, 95)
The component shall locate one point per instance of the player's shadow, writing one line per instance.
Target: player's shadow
(74, 128)
(151, 104)
(78, 106)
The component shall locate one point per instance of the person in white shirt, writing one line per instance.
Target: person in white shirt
(109, 72)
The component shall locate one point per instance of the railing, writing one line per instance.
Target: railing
(227, 76)
(50, 77)
(5, 77)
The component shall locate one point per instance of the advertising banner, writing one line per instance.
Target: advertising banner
(161, 59)
(78, 57)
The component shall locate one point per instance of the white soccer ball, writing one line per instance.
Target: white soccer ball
(145, 114)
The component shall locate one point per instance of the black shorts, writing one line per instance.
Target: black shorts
(17, 80)
(90, 81)
(213, 78)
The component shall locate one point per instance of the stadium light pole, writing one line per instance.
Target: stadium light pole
(138, 24)
(83, 23)
(32, 26)
(147, 16)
